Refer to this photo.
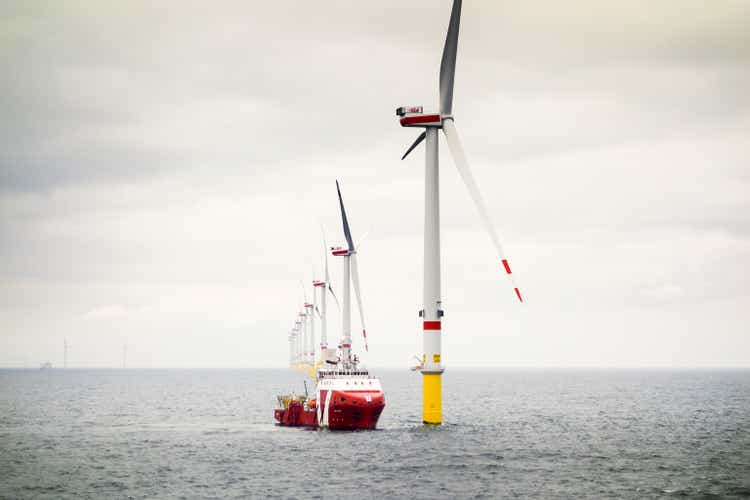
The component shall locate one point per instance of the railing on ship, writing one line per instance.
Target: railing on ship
(344, 373)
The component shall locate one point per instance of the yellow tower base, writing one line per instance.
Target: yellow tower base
(432, 398)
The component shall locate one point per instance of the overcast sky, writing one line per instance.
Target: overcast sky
(166, 166)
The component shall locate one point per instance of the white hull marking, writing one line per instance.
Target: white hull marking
(326, 413)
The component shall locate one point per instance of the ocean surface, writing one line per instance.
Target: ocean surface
(114, 434)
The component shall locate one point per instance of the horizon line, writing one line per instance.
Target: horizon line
(394, 367)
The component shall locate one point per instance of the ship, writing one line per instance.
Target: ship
(346, 395)
(344, 400)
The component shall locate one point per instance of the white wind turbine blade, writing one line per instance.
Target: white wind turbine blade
(459, 159)
(304, 292)
(355, 282)
(361, 239)
(329, 288)
(448, 62)
(335, 299)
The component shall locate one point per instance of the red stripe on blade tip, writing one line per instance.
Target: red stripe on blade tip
(506, 266)
(518, 294)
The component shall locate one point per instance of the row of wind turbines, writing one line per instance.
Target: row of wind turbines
(66, 348)
(302, 349)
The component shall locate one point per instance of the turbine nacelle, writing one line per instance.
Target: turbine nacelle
(413, 116)
(341, 251)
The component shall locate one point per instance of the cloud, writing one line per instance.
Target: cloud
(663, 293)
(216, 89)
(105, 312)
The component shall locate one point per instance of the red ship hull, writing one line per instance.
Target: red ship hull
(347, 410)
(296, 416)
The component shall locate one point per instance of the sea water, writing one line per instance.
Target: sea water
(506, 433)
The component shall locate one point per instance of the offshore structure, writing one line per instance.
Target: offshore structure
(432, 313)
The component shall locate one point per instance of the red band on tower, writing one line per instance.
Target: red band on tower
(431, 325)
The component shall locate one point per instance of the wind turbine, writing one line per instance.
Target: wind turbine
(351, 274)
(65, 352)
(298, 342)
(432, 313)
(309, 335)
(326, 356)
(302, 321)
(293, 346)
(323, 316)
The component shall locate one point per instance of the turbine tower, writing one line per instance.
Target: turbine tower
(290, 338)
(310, 346)
(323, 321)
(432, 313)
(325, 288)
(293, 346)
(302, 321)
(298, 342)
(350, 274)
